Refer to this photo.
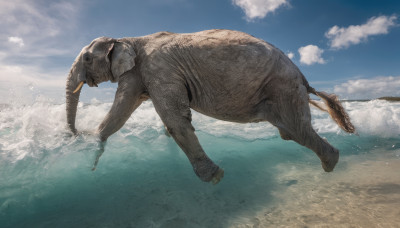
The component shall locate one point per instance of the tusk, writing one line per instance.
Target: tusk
(78, 87)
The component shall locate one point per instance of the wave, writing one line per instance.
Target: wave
(27, 129)
(144, 180)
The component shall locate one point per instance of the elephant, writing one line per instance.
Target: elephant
(225, 74)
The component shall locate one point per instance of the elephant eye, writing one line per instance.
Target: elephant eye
(87, 58)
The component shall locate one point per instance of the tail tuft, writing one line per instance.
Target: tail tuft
(336, 110)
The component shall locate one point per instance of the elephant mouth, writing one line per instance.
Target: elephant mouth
(90, 83)
(81, 84)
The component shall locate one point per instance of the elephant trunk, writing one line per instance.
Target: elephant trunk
(75, 80)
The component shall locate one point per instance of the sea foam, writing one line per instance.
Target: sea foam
(27, 129)
(145, 180)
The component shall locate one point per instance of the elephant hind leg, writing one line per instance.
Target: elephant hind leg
(305, 135)
(328, 155)
(292, 117)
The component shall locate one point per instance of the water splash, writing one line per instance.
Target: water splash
(144, 180)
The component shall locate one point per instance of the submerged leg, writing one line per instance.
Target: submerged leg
(127, 98)
(172, 104)
(291, 115)
(98, 154)
(328, 155)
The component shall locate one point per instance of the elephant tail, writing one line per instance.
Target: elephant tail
(333, 107)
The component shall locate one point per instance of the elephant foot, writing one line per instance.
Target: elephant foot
(217, 176)
(98, 154)
(207, 171)
(330, 160)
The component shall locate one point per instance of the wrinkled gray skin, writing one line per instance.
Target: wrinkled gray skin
(224, 74)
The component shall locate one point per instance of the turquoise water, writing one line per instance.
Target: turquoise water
(144, 179)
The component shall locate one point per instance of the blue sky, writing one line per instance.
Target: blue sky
(344, 46)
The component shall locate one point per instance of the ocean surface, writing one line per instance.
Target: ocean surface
(144, 180)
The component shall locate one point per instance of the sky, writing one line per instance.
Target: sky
(349, 47)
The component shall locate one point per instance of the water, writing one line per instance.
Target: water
(144, 179)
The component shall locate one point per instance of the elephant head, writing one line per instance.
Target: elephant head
(104, 59)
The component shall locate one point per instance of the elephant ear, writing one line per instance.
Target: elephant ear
(122, 59)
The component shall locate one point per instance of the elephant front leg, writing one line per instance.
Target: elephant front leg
(183, 133)
(129, 96)
(172, 105)
(98, 154)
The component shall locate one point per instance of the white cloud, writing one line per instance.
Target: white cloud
(16, 40)
(44, 25)
(45, 18)
(44, 30)
(311, 54)
(22, 84)
(31, 75)
(259, 8)
(290, 55)
(354, 34)
(369, 88)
